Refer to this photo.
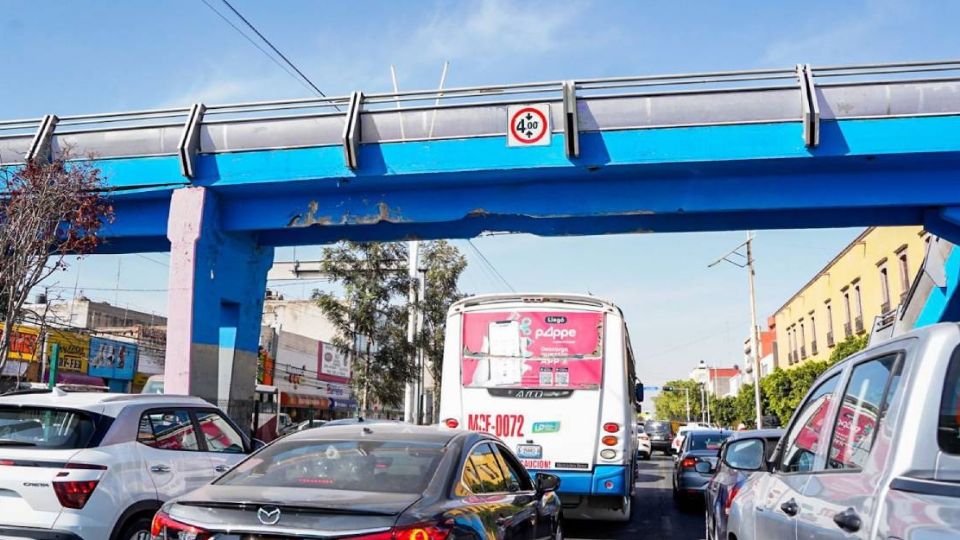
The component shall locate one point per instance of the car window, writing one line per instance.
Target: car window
(488, 469)
(517, 478)
(807, 431)
(349, 465)
(706, 441)
(168, 430)
(219, 434)
(860, 412)
(45, 428)
(948, 432)
(469, 481)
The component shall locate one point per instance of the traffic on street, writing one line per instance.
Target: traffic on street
(479, 270)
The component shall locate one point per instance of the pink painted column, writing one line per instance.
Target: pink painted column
(217, 284)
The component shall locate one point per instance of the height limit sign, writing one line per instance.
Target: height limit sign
(528, 125)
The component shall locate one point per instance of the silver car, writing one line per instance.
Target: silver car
(872, 452)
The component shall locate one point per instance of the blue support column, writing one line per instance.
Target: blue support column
(217, 283)
(942, 269)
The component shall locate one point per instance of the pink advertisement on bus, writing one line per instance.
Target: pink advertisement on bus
(533, 349)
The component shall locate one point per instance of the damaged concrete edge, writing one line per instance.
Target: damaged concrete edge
(384, 214)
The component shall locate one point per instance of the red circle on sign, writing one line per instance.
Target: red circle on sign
(513, 125)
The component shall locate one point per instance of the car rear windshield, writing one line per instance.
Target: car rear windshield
(656, 427)
(391, 467)
(707, 441)
(45, 428)
(948, 434)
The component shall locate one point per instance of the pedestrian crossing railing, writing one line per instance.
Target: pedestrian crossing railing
(804, 94)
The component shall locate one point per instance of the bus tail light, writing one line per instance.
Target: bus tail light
(609, 440)
(607, 453)
(611, 427)
(451, 423)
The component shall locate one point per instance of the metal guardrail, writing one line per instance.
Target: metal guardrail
(800, 94)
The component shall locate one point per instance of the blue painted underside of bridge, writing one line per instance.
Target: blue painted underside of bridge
(864, 172)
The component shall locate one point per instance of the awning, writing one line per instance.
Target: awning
(66, 377)
(301, 401)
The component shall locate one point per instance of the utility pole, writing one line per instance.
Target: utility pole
(751, 276)
(411, 397)
(686, 391)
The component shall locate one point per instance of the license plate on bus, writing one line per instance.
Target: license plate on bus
(529, 451)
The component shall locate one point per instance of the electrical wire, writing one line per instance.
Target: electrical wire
(259, 48)
(491, 266)
(276, 50)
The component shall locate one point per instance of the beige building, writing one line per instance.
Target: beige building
(869, 278)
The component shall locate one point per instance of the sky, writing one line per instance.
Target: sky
(76, 57)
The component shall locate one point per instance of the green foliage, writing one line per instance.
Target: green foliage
(443, 263)
(785, 388)
(847, 347)
(672, 404)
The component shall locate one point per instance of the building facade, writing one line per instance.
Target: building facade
(869, 278)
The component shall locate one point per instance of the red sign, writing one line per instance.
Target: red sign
(533, 349)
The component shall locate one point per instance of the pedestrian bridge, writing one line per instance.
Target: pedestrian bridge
(220, 185)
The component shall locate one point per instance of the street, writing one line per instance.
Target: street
(654, 514)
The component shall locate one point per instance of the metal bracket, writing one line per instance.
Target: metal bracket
(190, 141)
(40, 146)
(571, 124)
(351, 131)
(810, 106)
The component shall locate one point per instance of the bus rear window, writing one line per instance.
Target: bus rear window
(532, 349)
(948, 432)
(45, 428)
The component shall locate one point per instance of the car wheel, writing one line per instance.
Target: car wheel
(138, 529)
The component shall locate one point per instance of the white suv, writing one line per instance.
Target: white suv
(97, 466)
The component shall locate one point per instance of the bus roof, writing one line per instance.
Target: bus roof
(482, 300)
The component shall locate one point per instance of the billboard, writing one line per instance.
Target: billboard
(74, 350)
(532, 349)
(333, 364)
(112, 359)
(23, 343)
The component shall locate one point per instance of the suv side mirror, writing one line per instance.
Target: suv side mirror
(745, 455)
(638, 394)
(547, 482)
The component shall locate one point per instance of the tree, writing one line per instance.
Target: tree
(671, 403)
(443, 263)
(47, 211)
(371, 327)
(847, 347)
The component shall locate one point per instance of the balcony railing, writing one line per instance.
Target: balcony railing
(847, 332)
(813, 348)
(858, 322)
(830, 342)
(803, 353)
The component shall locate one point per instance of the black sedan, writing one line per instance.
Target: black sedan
(371, 482)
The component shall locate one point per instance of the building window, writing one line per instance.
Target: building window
(904, 273)
(848, 319)
(829, 324)
(884, 289)
(858, 307)
(803, 340)
(813, 334)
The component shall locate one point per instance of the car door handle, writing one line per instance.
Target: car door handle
(790, 507)
(221, 468)
(848, 520)
(159, 469)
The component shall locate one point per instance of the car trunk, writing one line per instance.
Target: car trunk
(27, 497)
(337, 512)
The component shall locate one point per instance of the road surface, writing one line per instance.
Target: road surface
(654, 514)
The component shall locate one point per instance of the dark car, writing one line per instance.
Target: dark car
(358, 420)
(371, 481)
(696, 463)
(661, 435)
(740, 456)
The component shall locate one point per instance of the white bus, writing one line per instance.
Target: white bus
(553, 376)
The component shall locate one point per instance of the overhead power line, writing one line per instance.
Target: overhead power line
(273, 48)
(490, 266)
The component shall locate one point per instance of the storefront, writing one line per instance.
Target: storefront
(114, 361)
